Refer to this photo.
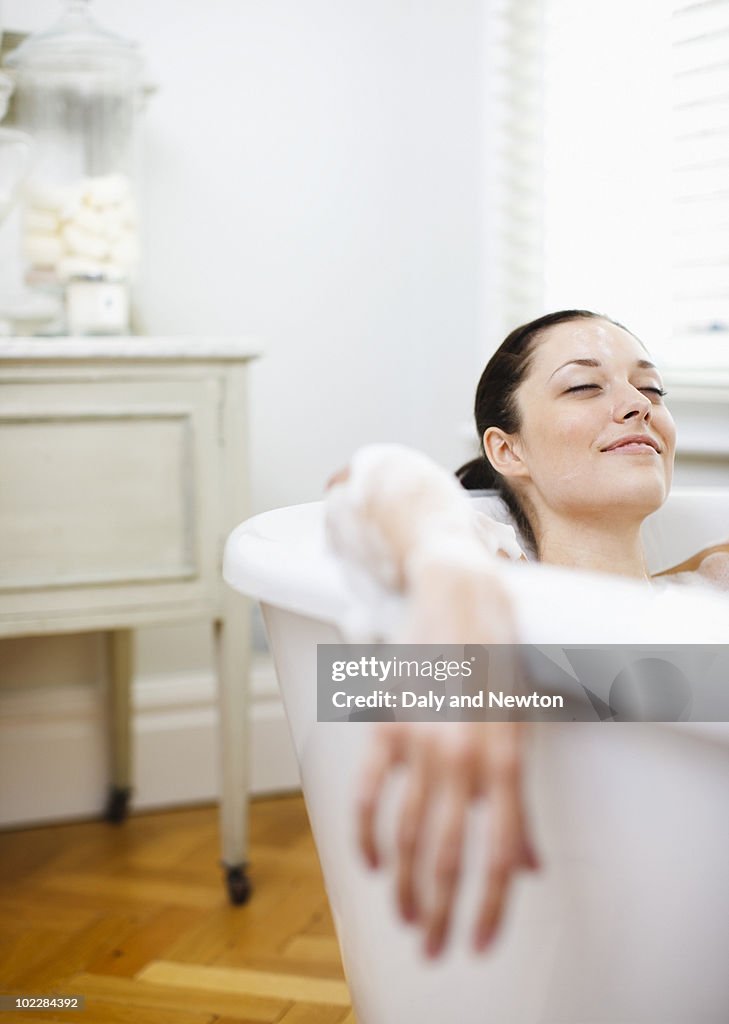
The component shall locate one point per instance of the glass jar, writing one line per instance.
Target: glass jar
(78, 92)
(15, 151)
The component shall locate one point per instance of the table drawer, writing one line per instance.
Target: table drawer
(109, 493)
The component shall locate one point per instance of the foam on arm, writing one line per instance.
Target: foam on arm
(405, 523)
(715, 569)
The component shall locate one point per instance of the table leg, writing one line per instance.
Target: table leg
(232, 648)
(121, 669)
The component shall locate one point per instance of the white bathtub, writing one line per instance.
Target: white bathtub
(628, 920)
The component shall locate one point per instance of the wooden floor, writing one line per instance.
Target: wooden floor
(135, 918)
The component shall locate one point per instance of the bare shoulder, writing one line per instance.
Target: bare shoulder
(714, 567)
(711, 564)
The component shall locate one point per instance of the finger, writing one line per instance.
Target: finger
(447, 868)
(413, 815)
(373, 780)
(506, 769)
(340, 477)
(505, 846)
(530, 858)
(533, 860)
(386, 751)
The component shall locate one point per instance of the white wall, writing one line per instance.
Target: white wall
(313, 177)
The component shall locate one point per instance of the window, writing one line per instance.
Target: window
(630, 166)
(700, 164)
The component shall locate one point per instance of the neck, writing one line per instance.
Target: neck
(595, 545)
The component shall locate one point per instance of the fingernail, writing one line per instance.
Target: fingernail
(409, 912)
(484, 938)
(432, 948)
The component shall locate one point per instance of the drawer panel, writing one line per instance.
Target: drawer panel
(108, 487)
(96, 499)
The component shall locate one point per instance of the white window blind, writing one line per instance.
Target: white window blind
(613, 155)
(700, 194)
(514, 164)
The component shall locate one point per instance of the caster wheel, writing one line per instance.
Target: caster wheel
(239, 885)
(117, 808)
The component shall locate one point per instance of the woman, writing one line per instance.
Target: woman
(577, 439)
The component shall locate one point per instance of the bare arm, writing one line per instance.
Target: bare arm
(412, 526)
(711, 563)
(392, 510)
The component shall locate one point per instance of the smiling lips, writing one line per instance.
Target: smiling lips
(633, 443)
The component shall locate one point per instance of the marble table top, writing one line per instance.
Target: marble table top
(113, 347)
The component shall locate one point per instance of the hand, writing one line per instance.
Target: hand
(341, 476)
(456, 762)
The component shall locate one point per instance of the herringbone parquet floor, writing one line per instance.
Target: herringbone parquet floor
(135, 918)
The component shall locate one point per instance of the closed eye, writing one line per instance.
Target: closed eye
(590, 387)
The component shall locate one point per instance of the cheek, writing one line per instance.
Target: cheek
(576, 431)
(669, 435)
(557, 450)
(669, 432)
(566, 437)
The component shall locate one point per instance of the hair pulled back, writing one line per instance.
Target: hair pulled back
(496, 406)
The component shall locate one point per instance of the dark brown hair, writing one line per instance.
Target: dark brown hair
(496, 406)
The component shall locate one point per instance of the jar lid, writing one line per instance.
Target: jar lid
(77, 45)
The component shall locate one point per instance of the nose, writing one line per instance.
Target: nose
(632, 404)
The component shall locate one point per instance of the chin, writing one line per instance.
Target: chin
(635, 494)
(644, 496)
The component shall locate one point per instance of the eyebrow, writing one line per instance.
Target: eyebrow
(642, 364)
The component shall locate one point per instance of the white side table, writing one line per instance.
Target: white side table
(123, 468)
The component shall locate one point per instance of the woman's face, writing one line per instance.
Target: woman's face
(596, 437)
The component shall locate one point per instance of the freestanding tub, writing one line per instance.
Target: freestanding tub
(627, 922)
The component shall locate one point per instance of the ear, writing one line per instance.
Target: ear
(504, 453)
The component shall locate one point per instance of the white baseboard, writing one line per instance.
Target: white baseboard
(53, 748)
